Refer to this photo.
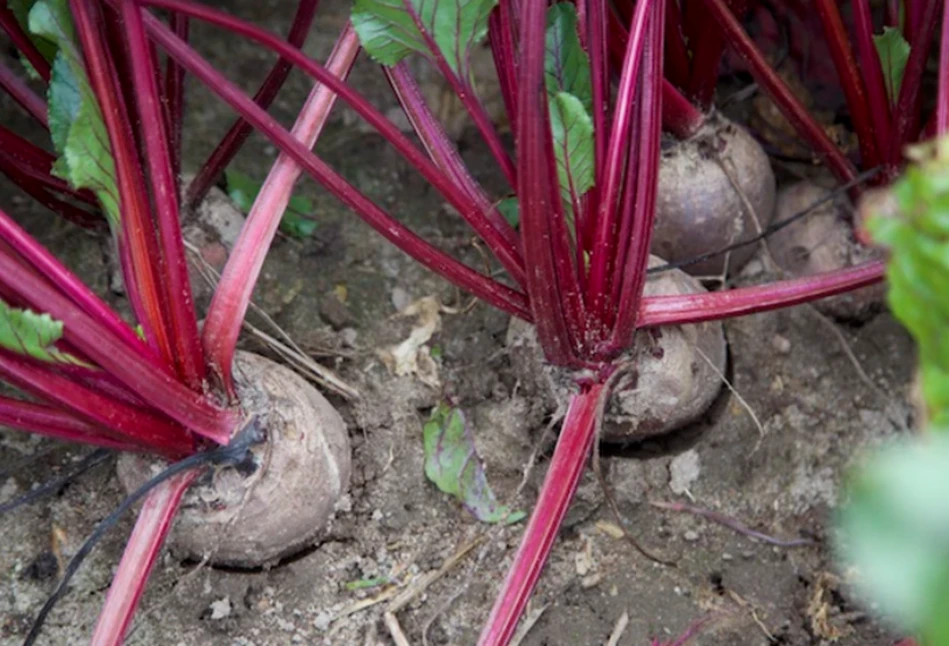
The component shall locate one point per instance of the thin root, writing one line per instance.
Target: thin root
(731, 523)
(604, 485)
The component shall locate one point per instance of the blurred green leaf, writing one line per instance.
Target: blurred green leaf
(918, 268)
(896, 524)
(893, 51)
(896, 530)
(295, 222)
(453, 465)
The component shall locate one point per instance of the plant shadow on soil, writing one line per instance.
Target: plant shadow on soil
(817, 416)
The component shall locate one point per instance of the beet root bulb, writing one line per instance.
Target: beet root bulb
(823, 241)
(676, 370)
(698, 208)
(297, 476)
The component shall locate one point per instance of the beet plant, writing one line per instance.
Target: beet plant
(161, 386)
(585, 191)
(715, 180)
(881, 70)
(584, 178)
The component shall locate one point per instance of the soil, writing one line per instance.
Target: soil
(809, 397)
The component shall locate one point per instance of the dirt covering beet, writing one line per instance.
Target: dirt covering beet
(809, 395)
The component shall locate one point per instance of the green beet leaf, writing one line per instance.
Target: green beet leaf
(388, 31)
(35, 335)
(570, 102)
(893, 51)
(21, 11)
(511, 210)
(75, 122)
(566, 64)
(572, 130)
(453, 465)
(295, 221)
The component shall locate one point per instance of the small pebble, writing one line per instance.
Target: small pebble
(348, 336)
(221, 608)
(322, 621)
(683, 471)
(400, 299)
(727, 557)
(691, 536)
(781, 344)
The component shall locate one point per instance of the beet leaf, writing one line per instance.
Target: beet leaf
(893, 51)
(21, 10)
(453, 465)
(295, 221)
(570, 102)
(510, 210)
(75, 122)
(389, 29)
(29, 333)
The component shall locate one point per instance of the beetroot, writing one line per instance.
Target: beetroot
(673, 385)
(297, 476)
(698, 209)
(822, 241)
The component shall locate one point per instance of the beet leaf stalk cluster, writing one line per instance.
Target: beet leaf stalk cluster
(582, 177)
(160, 385)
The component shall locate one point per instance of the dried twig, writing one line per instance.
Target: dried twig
(287, 348)
(618, 629)
(527, 624)
(395, 630)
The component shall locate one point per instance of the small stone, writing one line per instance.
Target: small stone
(727, 557)
(400, 299)
(335, 312)
(221, 608)
(691, 536)
(683, 471)
(377, 514)
(323, 621)
(781, 344)
(8, 490)
(748, 555)
(348, 336)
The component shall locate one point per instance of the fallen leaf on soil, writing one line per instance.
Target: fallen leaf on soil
(825, 621)
(583, 559)
(411, 356)
(453, 465)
